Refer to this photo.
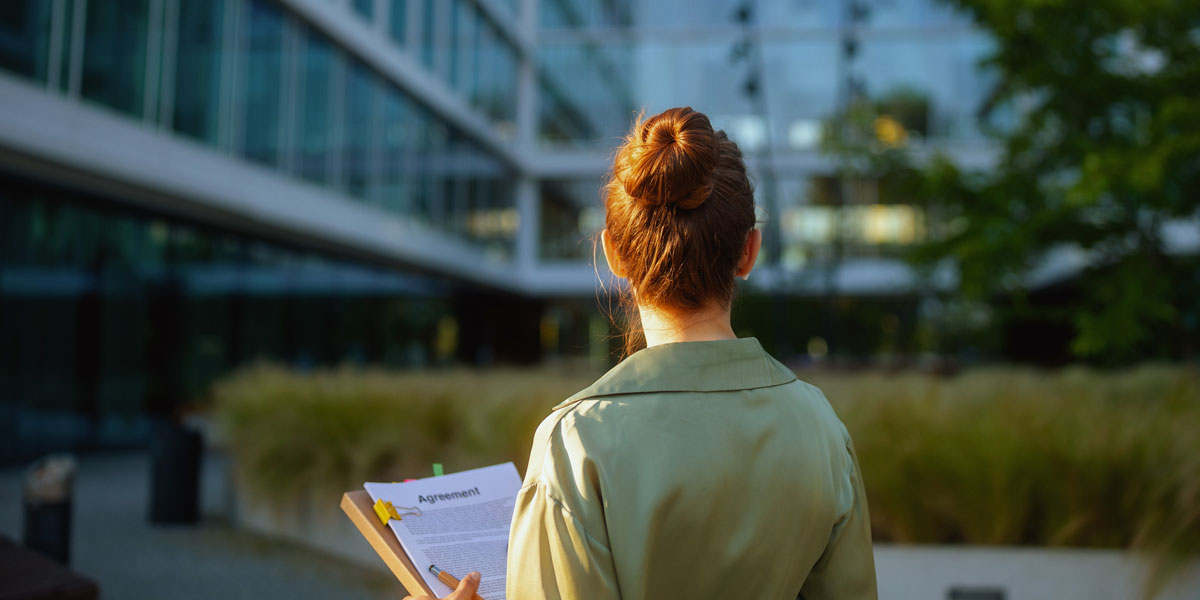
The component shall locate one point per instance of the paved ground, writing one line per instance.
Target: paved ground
(114, 544)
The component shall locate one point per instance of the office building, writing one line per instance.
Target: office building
(191, 185)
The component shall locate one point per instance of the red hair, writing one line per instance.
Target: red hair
(678, 208)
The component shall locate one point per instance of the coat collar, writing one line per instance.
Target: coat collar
(712, 366)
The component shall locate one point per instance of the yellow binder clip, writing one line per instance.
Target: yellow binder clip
(386, 511)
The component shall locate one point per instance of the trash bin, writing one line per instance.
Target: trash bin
(175, 474)
(49, 484)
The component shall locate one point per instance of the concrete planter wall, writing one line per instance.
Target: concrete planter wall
(977, 572)
(317, 521)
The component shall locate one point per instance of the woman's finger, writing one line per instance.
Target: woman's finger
(466, 588)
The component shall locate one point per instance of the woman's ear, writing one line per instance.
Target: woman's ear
(749, 253)
(610, 255)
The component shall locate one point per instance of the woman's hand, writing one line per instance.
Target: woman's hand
(465, 590)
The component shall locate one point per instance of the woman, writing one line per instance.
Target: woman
(698, 467)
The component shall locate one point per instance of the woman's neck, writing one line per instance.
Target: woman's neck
(703, 325)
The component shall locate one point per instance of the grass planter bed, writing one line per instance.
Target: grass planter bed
(1001, 457)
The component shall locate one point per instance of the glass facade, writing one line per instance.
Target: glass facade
(597, 13)
(315, 110)
(248, 77)
(774, 76)
(252, 79)
(114, 60)
(571, 213)
(357, 134)
(497, 79)
(602, 60)
(25, 37)
(198, 70)
(109, 315)
(585, 95)
(365, 8)
(824, 219)
(466, 46)
(142, 309)
(261, 84)
(397, 25)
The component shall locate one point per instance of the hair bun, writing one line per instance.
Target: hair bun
(671, 159)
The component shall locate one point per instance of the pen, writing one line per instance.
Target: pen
(449, 579)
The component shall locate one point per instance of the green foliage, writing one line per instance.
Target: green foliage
(1004, 457)
(993, 456)
(331, 430)
(1098, 126)
(1102, 150)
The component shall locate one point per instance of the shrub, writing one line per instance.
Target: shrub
(331, 430)
(993, 456)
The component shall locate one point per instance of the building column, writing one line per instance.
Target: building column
(526, 116)
(528, 225)
(527, 200)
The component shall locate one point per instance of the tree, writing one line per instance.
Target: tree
(1100, 156)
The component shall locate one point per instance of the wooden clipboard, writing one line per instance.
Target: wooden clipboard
(358, 506)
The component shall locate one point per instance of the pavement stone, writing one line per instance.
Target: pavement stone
(114, 544)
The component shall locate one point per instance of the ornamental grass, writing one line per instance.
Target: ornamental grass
(993, 456)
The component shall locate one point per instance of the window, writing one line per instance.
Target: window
(393, 188)
(456, 7)
(262, 83)
(312, 160)
(25, 37)
(466, 44)
(506, 84)
(356, 155)
(398, 21)
(365, 8)
(114, 61)
(428, 31)
(198, 69)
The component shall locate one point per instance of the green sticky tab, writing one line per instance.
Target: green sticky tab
(437, 470)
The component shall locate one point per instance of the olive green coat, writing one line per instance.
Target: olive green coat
(692, 470)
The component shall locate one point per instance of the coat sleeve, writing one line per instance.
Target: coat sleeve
(551, 555)
(846, 570)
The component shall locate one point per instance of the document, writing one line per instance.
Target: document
(458, 522)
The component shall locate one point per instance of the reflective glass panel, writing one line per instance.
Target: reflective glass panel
(25, 37)
(931, 84)
(393, 184)
(478, 57)
(485, 95)
(262, 83)
(398, 21)
(465, 45)
(455, 7)
(588, 93)
(497, 78)
(356, 153)
(506, 85)
(316, 66)
(365, 8)
(599, 13)
(428, 31)
(570, 213)
(198, 69)
(117, 314)
(114, 60)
